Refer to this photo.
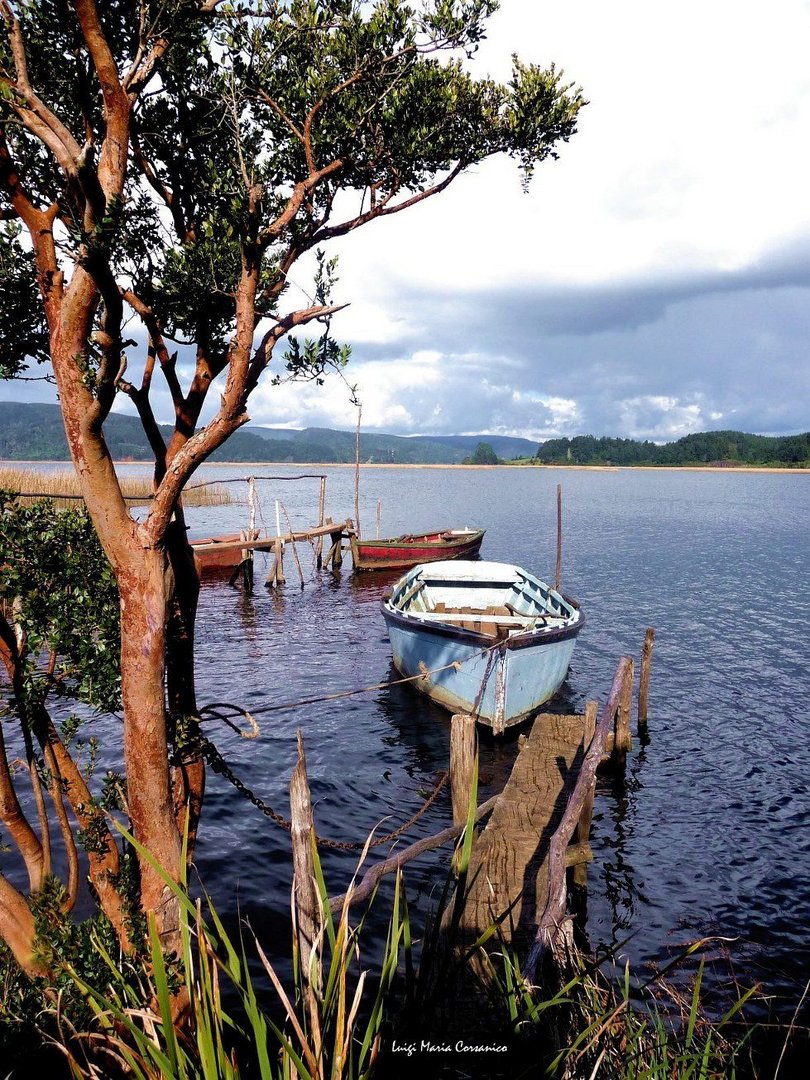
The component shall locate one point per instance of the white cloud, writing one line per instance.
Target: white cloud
(657, 417)
(653, 281)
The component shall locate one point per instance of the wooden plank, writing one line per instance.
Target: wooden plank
(508, 867)
(550, 927)
(267, 543)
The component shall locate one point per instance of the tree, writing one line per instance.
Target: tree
(484, 455)
(164, 165)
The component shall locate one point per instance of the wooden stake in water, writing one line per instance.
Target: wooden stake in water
(292, 542)
(623, 739)
(305, 897)
(558, 573)
(278, 520)
(321, 512)
(379, 516)
(644, 679)
(462, 763)
(252, 505)
(357, 471)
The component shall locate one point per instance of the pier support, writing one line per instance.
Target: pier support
(644, 679)
(463, 748)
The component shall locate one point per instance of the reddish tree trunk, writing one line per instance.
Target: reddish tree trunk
(188, 775)
(149, 798)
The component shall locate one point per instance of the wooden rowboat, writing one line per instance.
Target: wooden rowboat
(211, 561)
(400, 552)
(502, 639)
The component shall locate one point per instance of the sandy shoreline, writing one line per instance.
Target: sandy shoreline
(387, 465)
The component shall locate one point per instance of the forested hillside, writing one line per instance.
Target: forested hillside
(31, 432)
(703, 448)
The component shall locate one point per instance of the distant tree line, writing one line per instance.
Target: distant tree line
(702, 448)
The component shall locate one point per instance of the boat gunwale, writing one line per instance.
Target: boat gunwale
(524, 640)
(411, 540)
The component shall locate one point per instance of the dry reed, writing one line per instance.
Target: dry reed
(63, 488)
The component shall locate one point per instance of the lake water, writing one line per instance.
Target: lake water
(708, 832)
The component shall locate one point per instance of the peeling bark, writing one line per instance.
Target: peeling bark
(149, 798)
(17, 929)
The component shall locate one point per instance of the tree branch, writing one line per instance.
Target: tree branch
(383, 209)
(300, 191)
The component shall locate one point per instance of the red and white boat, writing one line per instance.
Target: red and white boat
(401, 552)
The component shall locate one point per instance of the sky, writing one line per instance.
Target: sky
(653, 282)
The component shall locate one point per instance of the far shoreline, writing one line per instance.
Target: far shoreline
(438, 465)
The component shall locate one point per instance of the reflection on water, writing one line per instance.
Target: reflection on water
(707, 833)
(708, 830)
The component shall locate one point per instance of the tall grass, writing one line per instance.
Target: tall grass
(63, 488)
(338, 1021)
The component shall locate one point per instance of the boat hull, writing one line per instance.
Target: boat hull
(402, 553)
(217, 562)
(516, 681)
(484, 638)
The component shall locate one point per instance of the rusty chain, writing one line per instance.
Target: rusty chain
(220, 766)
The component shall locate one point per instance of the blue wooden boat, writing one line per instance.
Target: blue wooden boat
(502, 638)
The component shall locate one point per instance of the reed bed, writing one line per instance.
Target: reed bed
(62, 486)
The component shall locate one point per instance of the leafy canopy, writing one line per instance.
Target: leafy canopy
(263, 130)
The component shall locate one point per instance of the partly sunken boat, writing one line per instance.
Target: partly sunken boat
(217, 555)
(487, 638)
(400, 552)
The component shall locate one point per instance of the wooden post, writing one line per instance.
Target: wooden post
(246, 565)
(292, 542)
(273, 573)
(357, 470)
(337, 549)
(583, 831)
(321, 512)
(644, 679)
(462, 764)
(558, 572)
(252, 505)
(305, 897)
(623, 740)
(379, 514)
(278, 562)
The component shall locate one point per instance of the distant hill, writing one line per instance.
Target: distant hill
(727, 448)
(33, 432)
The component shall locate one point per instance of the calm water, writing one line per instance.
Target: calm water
(708, 833)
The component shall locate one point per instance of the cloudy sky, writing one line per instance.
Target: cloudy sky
(654, 281)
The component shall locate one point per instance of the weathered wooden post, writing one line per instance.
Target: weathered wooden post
(292, 542)
(306, 907)
(321, 512)
(337, 549)
(277, 570)
(379, 515)
(357, 470)
(623, 740)
(463, 742)
(644, 679)
(583, 832)
(558, 572)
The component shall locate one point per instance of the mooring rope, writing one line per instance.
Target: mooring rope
(220, 766)
(226, 711)
(245, 479)
(290, 705)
